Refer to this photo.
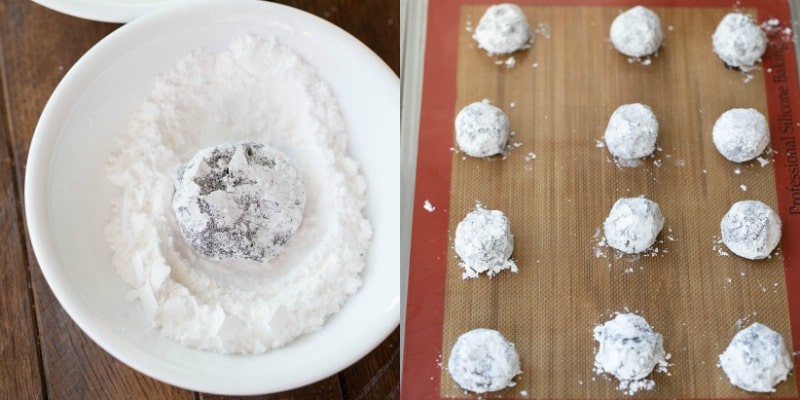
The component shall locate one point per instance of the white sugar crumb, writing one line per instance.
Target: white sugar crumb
(599, 143)
(517, 145)
(647, 61)
(670, 28)
(747, 78)
(737, 170)
(512, 104)
(535, 65)
(523, 393)
(543, 29)
(743, 187)
(718, 247)
(680, 163)
(530, 157)
(428, 206)
(762, 161)
(510, 62)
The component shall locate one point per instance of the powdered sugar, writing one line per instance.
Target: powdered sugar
(631, 132)
(741, 134)
(630, 350)
(637, 32)
(739, 42)
(483, 360)
(485, 243)
(756, 359)
(503, 29)
(751, 229)
(256, 90)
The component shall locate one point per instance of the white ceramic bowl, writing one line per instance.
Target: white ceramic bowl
(67, 194)
(108, 10)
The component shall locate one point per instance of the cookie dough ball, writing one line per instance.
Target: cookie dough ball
(238, 201)
(757, 359)
(751, 229)
(739, 42)
(482, 129)
(633, 224)
(503, 29)
(741, 134)
(637, 32)
(483, 360)
(631, 132)
(484, 243)
(629, 348)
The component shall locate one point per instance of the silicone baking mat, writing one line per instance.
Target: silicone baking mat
(557, 184)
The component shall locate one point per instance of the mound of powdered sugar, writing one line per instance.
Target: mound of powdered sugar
(637, 32)
(484, 243)
(256, 90)
(751, 229)
(629, 349)
(503, 29)
(739, 42)
(483, 360)
(756, 360)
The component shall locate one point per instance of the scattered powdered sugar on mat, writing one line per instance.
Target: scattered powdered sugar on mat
(261, 91)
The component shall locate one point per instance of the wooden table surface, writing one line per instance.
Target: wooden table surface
(43, 354)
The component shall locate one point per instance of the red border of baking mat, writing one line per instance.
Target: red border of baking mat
(422, 357)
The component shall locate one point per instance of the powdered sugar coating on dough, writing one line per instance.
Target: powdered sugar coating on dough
(503, 29)
(482, 129)
(739, 42)
(633, 224)
(751, 229)
(239, 201)
(484, 243)
(741, 134)
(637, 32)
(756, 360)
(631, 132)
(629, 349)
(483, 360)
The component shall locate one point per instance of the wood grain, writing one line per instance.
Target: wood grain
(19, 350)
(562, 97)
(38, 46)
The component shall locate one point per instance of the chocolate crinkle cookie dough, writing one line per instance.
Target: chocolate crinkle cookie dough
(238, 201)
(503, 29)
(483, 360)
(739, 42)
(633, 224)
(484, 243)
(631, 132)
(637, 32)
(757, 359)
(482, 129)
(630, 350)
(741, 134)
(751, 229)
